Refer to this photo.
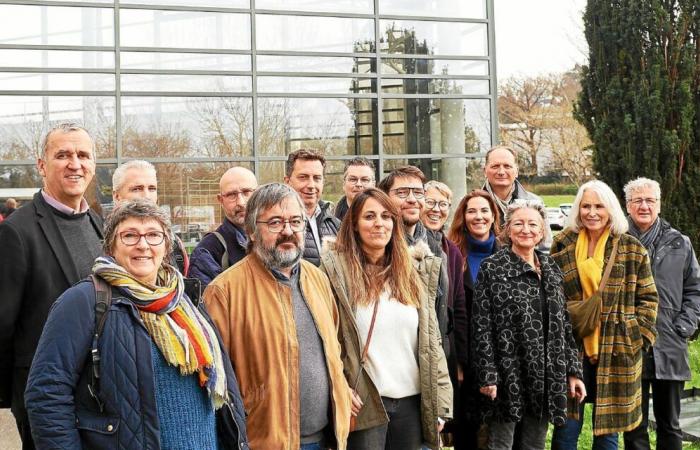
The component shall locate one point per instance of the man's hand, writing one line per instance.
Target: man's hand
(489, 391)
(577, 389)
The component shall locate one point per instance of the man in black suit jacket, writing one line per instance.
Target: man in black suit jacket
(47, 246)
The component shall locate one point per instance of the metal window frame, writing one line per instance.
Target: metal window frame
(254, 94)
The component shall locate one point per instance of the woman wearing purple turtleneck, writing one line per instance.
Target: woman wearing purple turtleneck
(474, 230)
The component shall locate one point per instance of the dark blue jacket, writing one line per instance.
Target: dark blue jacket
(205, 262)
(61, 411)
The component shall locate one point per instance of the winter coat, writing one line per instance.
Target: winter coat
(528, 364)
(436, 389)
(627, 323)
(206, 259)
(456, 303)
(61, 410)
(328, 225)
(341, 208)
(255, 316)
(677, 277)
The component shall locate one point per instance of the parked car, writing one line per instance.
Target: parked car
(566, 208)
(556, 218)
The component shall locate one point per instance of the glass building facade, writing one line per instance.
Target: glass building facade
(195, 86)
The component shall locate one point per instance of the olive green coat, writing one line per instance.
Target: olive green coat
(436, 388)
(628, 320)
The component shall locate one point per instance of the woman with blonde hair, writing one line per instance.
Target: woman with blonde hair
(612, 297)
(392, 353)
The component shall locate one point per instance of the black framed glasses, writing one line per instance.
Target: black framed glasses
(443, 205)
(132, 238)
(404, 192)
(277, 224)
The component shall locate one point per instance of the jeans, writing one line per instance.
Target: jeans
(403, 432)
(667, 408)
(532, 436)
(312, 446)
(566, 436)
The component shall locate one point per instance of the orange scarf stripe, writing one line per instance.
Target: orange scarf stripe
(159, 303)
(203, 357)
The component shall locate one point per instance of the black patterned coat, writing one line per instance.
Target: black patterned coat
(510, 347)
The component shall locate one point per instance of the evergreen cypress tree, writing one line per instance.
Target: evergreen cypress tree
(640, 99)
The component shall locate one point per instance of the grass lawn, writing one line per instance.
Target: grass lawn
(552, 201)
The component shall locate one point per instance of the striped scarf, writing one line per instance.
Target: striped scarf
(181, 333)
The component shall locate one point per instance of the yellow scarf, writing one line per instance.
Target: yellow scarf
(590, 272)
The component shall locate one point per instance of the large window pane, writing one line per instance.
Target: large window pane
(11, 81)
(433, 38)
(24, 120)
(414, 66)
(335, 6)
(176, 127)
(185, 83)
(435, 86)
(315, 64)
(56, 59)
(56, 25)
(323, 85)
(184, 61)
(425, 126)
(337, 126)
(199, 3)
(184, 29)
(313, 34)
(465, 9)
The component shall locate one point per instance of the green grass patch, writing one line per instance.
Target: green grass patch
(552, 201)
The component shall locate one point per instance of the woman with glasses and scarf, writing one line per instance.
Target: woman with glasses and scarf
(162, 380)
(388, 332)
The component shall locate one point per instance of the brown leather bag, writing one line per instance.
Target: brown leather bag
(363, 358)
(585, 314)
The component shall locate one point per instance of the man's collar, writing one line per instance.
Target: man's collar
(55, 204)
(279, 276)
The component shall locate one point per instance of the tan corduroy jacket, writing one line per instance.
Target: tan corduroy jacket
(255, 316)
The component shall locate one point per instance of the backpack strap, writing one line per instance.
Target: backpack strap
(224, 258)
(103, 299)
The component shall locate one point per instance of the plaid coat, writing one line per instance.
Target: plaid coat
(628, 321)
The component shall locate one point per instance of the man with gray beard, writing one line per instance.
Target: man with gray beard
(278, 319)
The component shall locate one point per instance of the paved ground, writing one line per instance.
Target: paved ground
(9, 439)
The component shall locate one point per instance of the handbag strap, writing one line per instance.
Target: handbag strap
(363, 358)
(608, 268)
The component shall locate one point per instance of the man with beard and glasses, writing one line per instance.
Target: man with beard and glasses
(278, 320)
(224, 247)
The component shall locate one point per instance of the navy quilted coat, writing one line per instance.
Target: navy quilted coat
(61, 411)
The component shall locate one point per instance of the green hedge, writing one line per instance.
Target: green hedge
(552, 189)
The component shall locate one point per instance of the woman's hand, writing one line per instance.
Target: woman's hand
(460, 374)
(356, 403)
(489, 391)
(440, 425)
(577, 389)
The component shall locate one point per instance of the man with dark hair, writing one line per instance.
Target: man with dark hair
(224, 247)
(405, 188)
(305, 174)
(278, 319)
(357, 176)
(48, 245)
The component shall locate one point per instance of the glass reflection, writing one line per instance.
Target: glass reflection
(270, 63)
(184, 29)
(322, 85)
(178, 127)
(23, 120)
(15, 81)
(337, 126)
(336, 6)
(196, 3)
(59, 59)
(425, 126)
(435, 86)
(465, 9)
(433, 38)
(316, 34)
(56, 25)
(415, 66)
(184, 61)
(185, 83)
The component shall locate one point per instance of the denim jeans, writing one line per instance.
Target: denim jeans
(312, 446)
(403, 432)
(533, 434)
(566, 436)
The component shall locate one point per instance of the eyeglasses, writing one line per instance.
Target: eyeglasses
(637, 202)
(404, 192)
(233, 195)
(363, 181)
(132, 238)
(443, 205)
(277, 224)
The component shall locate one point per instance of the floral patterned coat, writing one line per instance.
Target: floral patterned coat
(522, 338)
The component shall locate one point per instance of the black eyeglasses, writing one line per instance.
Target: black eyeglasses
(443, 205)
(404, 192)
(132, 238)
(276, 224)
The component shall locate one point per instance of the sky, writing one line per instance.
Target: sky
(538, 36)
